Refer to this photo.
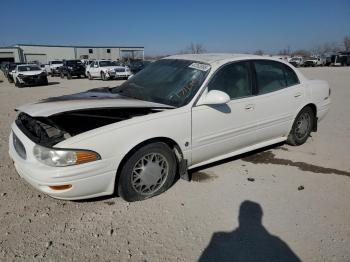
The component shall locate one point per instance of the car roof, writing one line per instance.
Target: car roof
(215, 57)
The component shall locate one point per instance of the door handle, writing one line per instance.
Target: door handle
(249, 107)
(296, 95)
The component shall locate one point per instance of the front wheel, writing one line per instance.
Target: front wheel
(302, 127)
(148, 172)
(103, 76)
(18, 84)
(62, 75)
(69, 75)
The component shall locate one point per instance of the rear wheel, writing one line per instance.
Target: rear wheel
(147, 173)
(302, 127)
(62, 75)
(69, 75)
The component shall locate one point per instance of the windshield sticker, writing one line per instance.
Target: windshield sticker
(198, 66)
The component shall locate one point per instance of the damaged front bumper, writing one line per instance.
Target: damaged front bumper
(86, 180)
(33, 79)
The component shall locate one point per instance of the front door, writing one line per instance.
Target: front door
(218, 130)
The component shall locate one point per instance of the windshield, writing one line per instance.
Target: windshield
(28, 68)
(56, 62)
(106, 63)
(171, 82)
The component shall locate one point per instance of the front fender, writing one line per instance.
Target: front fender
(116, 140)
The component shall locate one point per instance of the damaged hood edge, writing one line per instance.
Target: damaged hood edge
(92, 99)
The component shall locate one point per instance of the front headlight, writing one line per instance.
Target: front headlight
(63, 157)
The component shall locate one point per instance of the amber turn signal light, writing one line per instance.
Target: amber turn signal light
(86, 156)
(60, 187)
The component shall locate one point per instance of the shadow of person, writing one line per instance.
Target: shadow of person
(249, 242)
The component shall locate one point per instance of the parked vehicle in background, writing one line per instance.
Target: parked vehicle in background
(3, 66)
(296, 61)
(344, 58)
(313, 61)
(86, 62)
(53, 67)
(106, 69)
(179, 113)
(339, 59)
(137, 66)
(72, 68)
(9, 71)
(29, 75)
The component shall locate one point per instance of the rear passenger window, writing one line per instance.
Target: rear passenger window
(291, 76)
(270, 76)
(233, 79)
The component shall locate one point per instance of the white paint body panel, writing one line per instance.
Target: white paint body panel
(212, 132)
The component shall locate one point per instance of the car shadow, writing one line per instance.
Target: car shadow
(249, 242)
(53, 83)
(233, 158)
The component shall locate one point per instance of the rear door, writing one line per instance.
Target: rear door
(280, 95)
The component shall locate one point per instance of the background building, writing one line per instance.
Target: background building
(45, 53)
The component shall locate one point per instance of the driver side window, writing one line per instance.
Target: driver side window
(233, 79)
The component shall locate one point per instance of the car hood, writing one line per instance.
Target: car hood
(30, 73)
(91, 99)
(113, 67)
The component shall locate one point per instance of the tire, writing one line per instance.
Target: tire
(133, 188)
(18, 84)
(302, 127)
(103, 76)
(46, 82)
(69, 76)
(62, 75)
(89, 76)
(10, 80)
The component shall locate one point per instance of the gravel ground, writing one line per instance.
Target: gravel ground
(293, 202)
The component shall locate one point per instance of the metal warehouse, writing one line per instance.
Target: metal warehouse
(45, 53)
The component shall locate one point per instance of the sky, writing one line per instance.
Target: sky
(167, 27)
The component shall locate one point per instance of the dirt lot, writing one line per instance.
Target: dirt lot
(302, 194)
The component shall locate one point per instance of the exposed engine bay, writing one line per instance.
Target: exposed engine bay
(48, 131)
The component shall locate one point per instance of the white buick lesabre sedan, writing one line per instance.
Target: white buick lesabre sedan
(179, 113)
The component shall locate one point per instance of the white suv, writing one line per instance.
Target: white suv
(107, 69)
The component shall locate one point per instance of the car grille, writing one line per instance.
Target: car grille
(119, 70)
(19, 147)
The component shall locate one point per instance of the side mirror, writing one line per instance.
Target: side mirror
(95, 66)
(13, 71)
(215, 97)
